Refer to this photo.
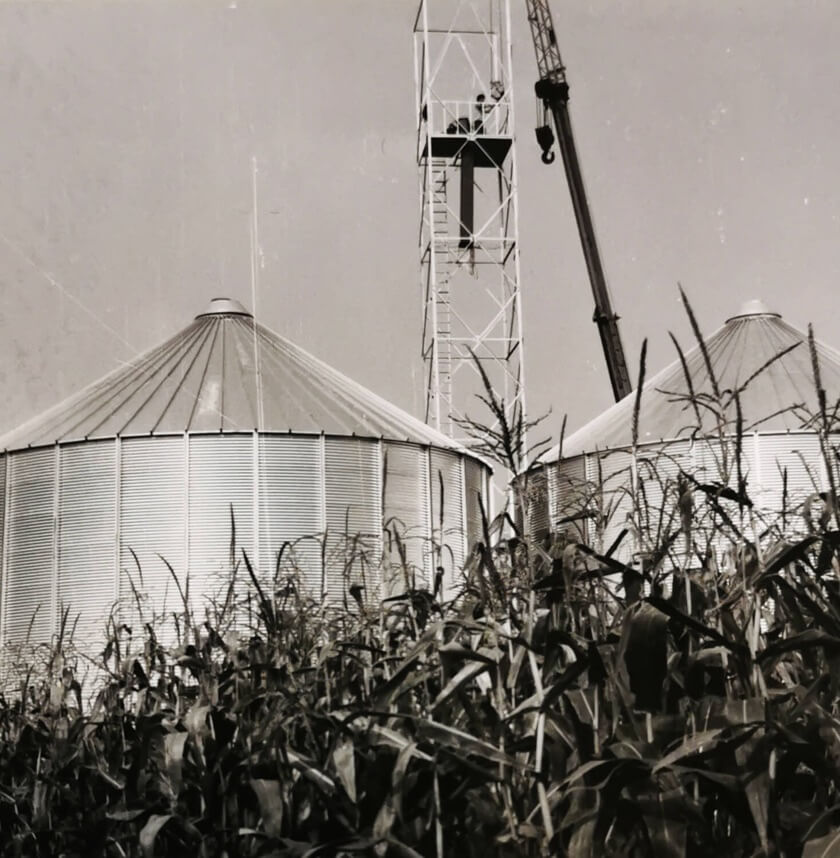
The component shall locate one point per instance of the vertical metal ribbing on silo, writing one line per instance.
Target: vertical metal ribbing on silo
(256, 458)
(322, 483)
(550, 492)
(405, 474)
(117, 507)
(553, 495)
(221, 480)
(536, 499)
(590, 477)
(30, 549)
(431, 555)
(380, 516)
(85, 537)
(152, 516)
(758, 463)
(4, 536)
(290, 484)
(55, 527)
(352, 491)
(790, 451)
(185, 571)
(447, 487)
(462, 479)
(659, 472)
(616, 470)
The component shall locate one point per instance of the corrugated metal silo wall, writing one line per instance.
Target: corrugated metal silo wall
(352, 482)
(448, 519)
(3, 504)
(477, 489)
(764, 458)
(221, 529)
(291, 506)
(715, 463)
(609, 474)
(658, 494)
(86, 584)
(28, 583)
(405, 478)
(534, 487)
(152, 515)
(90, 524)
(569, 497)
(790, 469)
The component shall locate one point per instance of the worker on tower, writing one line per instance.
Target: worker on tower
(482, 109)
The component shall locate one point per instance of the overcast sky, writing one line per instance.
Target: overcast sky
(707, 134)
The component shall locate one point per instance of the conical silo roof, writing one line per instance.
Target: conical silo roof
(224, 373)
(755, 353)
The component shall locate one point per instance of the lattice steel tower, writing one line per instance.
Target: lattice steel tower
(469, 230)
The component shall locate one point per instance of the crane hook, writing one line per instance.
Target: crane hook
(545, 139)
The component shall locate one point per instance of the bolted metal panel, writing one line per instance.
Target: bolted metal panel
(152, 519)
(406, 514)
(290, 504)
(31, 547)
(569, 497)
(448, 525)
(86, 536)
(475, 488)
(221, 484)
(353, 505)
(790, 465)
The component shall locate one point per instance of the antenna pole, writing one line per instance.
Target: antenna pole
(256, 259)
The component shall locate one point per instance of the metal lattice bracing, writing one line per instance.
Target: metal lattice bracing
(468, 238)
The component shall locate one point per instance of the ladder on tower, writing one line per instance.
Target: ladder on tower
(440, 231)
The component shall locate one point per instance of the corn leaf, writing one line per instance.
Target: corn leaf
(270, 797)
(174, 756)
(344, 765)
(463, 743)
(701, 743)
(464, 675)
(823, 847)
(149, 832)
(644, 650)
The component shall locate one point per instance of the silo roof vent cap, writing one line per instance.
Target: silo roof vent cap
(224, 307)
(754, 307)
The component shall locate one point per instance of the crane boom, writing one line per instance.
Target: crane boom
(552, 89)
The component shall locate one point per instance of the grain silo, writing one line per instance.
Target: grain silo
(225, 420)
(688, 420)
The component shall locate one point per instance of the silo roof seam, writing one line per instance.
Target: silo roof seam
(778, 398)
(206, 370)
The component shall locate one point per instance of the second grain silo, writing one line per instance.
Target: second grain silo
(754, 378)
(136, 480)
